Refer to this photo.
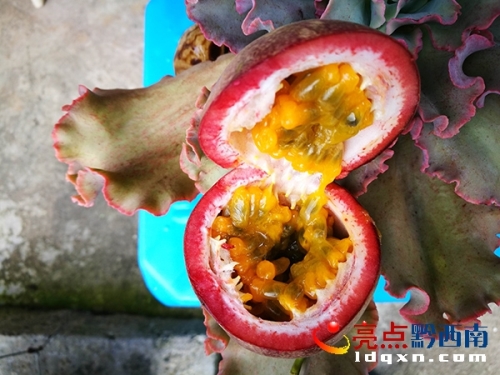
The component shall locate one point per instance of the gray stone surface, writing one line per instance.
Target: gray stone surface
(68, 342)
(52, 252)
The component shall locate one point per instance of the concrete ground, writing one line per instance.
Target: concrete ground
(73, 299)
(78, 343)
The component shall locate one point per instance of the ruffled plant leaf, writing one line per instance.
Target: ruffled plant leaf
(348, 10)
(87, 184)
(200, 169)
(320, 6)
(470, 159)
(387, 16)
(468, 156)
(474, 15)
(483, 62)
(220, 22)
(412, 12)
(269, 14)
(237, 360)
(128, 142)
(217, 339)
(358, 180)
(236, 23)
(448, 96)
(433, 242)
(410, 37)
(377, 10)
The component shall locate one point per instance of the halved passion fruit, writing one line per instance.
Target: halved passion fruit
(271, 272)
(377, 78)
(276, 250)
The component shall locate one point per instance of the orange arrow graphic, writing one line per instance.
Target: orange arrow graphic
(331, 349)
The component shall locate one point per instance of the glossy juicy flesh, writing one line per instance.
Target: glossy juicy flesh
(283, 255)
(314, 112)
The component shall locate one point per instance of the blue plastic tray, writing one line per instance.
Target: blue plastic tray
(160, 239)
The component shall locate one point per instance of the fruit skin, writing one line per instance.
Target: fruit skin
(289, 49)
(346, 300)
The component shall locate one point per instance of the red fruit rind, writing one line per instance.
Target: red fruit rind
(343, 300)
(245, 92)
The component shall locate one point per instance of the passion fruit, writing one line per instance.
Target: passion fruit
(193, 48)
(275, 250)
(266, 280)
(383, 70)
